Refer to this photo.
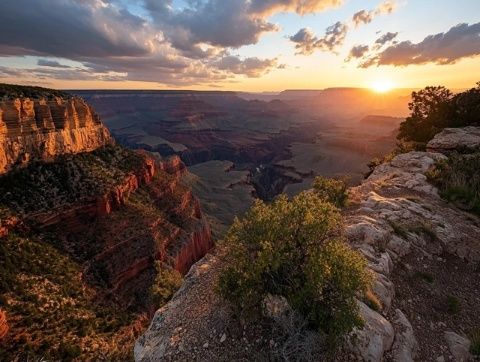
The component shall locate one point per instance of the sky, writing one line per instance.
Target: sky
(243, 45)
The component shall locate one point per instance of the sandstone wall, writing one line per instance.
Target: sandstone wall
(42, 129)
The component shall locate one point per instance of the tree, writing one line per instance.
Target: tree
(293, 249)
(431, 110)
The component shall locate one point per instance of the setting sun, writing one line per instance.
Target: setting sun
(382, 86)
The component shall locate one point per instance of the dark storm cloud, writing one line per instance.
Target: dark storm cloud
(461, 41)
(69, 28)
(169, 46)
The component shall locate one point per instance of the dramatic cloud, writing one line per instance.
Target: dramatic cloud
(386, 38)
(51, 63)
(367, 16)
(357, 51)
(252, 67)
(461, 41)
(175, 47)
(69, 28)
(221, 23)
(298, 6)
(306, 42)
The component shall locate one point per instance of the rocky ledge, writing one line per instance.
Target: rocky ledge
(42, 129)
(423, 252)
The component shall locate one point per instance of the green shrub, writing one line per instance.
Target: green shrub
(475, 343)
(166, 283)
(425, 276)
(290, 248)
(331, 190)
(453, 304)
(458, 179)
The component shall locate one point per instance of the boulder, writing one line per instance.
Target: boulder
(459, 346)
(374, 339)
(465, 139)
(405, 344)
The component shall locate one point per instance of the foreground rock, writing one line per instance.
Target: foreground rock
(409, 235)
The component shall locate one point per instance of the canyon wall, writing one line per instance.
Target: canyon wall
(422, 251)
(41, 129)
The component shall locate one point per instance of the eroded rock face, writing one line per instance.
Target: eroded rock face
(3, 324)
(462, 139)
(40, 129)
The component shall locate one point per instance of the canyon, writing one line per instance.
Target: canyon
(112, 213)
(423, 253)
(277, 142)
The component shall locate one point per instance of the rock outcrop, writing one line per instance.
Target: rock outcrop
(42, 129)
(401, 225)
(461, 139)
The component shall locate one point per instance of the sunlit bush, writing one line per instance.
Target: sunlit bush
(331, 190)
(166, 283)
(293, 249)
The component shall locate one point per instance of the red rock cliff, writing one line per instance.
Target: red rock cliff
(41, 129)
(3, 324)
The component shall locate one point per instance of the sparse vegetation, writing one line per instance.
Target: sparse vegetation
(372, 301)
(398, 229)
(475, 343)
(424, 276)
(291, 248)
(458, 179)
(166, 283)
(453, 304)
(52, 314)
(331, 190)
(72, 177)
(10, 91)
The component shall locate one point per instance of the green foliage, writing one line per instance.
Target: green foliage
(18, 91)
(458, 179)
(41, 186)
(291, 248)
(435, 108)
(51, 312)
(453, 304)
(425, 276)
(331, 190)
(475, 343)
(167, 282)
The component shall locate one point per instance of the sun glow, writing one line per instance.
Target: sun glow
(382, 86)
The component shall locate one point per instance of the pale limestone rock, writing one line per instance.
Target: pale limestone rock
(375, 338)
(405, 345)
(459, 346)
(465, 139)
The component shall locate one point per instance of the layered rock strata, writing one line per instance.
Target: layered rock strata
(41, 129)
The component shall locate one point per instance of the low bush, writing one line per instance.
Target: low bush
(292, 249)
(458, 180)
(331, 190)
(166, 283)
(475, 343)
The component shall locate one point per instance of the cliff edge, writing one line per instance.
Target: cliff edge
(46, 127)
(423, 251)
